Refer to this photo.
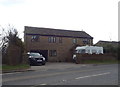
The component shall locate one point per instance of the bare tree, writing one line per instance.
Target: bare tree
(10, 40)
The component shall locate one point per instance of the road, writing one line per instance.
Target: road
(87, 74)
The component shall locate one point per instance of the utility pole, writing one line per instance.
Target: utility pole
(110, 37)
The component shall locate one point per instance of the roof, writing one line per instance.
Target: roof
(107, 43)
(88, 47)
(55, 32)
(110, 42)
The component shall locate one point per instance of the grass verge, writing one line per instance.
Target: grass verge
(16, 67)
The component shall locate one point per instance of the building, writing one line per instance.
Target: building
(107, 43)
(54, 44)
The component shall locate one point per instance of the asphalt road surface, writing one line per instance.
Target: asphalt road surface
(80, 75)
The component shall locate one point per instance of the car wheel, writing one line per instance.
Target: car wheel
(30, 64)
(43, 63)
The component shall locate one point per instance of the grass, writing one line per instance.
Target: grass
(118, 61)
(16, 67)
(100, 62)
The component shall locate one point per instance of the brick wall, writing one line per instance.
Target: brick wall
(63, 49)
(80, 58)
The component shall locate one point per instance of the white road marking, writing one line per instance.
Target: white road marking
(92, 75)
(37, 85)
(45, 75)
(43, 84)
(64, 80)
(32, 86)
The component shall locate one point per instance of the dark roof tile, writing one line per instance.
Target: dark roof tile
(56, 32)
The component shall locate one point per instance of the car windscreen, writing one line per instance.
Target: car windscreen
(34, 54)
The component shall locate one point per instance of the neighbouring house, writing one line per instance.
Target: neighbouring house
(54, 44)
(106, 43)
(110, 47)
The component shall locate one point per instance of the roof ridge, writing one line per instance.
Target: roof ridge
(55, 29)
(107, 41)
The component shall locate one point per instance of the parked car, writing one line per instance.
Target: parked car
(36, 59)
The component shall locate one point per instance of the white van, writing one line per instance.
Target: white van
(88, 49)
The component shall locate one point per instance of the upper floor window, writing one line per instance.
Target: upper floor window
(74, 40)
(52, 39)
(86, 41)
(60, 39)
(35, 38)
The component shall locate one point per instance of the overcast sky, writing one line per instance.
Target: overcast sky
(99, 18)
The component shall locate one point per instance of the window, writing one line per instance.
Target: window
(94, 51)
(60, 39)
(83, 51)
(74, 40)
(35, 38)
(49, 39)
(88, 51)
(99, 51)
(53, 53)
(86, 41)
(90, 41)
(52, 39)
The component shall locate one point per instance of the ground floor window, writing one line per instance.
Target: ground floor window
(52, 53)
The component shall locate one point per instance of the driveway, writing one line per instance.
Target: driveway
(57, 65)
